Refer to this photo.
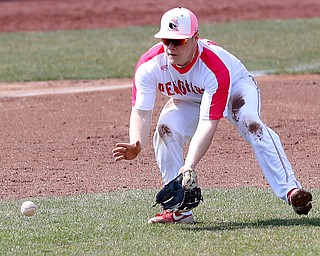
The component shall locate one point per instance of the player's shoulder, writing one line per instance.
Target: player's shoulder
(154, 51)
(148, 64)
(209, 44)
(209, 47)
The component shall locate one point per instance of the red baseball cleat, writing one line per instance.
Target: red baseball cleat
(171, 217)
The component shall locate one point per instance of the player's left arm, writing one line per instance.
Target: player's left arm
(200, 142)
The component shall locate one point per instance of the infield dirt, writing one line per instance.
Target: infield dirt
(60, 143)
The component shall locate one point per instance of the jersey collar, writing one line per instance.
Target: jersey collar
(189, 66)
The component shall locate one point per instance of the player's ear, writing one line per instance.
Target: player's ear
(196, 36)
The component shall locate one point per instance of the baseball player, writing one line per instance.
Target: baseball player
(204, 83)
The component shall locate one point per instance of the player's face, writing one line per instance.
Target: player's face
(180, 51)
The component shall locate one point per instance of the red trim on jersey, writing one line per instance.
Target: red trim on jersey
(148, 55)
(189, 66)
(220, 98)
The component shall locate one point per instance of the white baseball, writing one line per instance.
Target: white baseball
(28, 208)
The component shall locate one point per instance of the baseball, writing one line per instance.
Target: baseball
(28, 209)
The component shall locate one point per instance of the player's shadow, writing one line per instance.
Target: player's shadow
(200, 226)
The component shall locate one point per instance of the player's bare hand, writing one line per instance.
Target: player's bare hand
(126, 151)
(184, 168)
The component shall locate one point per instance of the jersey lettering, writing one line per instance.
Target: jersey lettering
(168, 89)
(181, 88)
(176, 89)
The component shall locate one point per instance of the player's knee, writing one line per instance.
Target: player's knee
(163, 134)
(255, 128)
(251, 127)
(164, 131)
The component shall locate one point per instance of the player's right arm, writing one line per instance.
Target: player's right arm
(143, 99)
(140, 122)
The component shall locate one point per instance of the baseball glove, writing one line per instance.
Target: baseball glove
(180, 194)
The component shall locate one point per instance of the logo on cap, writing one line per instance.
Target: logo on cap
(173, 24)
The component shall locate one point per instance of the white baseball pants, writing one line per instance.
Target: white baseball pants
(178, 121)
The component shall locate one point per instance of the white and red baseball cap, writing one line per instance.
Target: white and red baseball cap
(178, 23)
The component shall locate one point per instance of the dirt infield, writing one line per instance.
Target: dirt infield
(17, 15)
(56, 139)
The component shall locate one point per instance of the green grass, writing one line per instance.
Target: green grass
(246, 221)
(277, 46)
(289, 46)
